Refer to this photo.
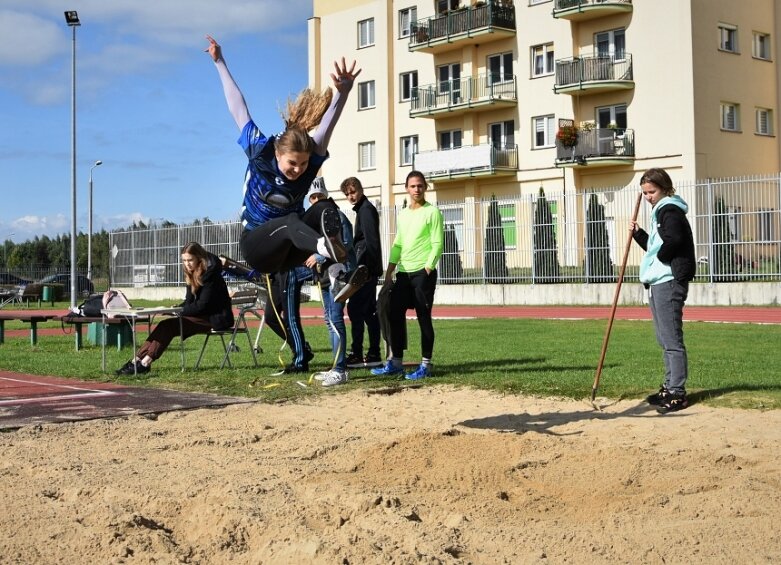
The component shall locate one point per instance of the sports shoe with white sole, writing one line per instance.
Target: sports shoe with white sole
(334, 377)
(331, 227)
(421, 372)
(388, 370)
(345, 285)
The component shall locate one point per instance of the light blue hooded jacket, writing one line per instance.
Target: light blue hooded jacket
(652, 270)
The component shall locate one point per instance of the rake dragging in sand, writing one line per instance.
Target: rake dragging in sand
(615, 303)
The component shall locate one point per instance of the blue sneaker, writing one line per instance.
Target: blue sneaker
(420, 373)
(387, 370)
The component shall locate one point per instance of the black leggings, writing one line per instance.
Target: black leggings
(283, 243)
(412, 290)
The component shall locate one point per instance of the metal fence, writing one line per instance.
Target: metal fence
(556, 237)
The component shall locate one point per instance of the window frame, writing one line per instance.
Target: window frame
(367, 99)
(549, 131)
(506, 134)
(768, 113)
(509, 222)
(616, 50)
(408, 147)
(761, 47)
(413, 79)
(547, 56)
(504, 75)
(724, 107)
(411, 16)
(371, 148)
(450, 135)
(369, 33)
(728, 34)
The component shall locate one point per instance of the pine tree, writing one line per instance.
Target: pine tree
(494, 252)
(599, 268)
(450, 266)
(546, 257)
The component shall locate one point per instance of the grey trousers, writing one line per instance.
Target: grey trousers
(666, 301)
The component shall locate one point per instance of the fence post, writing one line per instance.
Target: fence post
(711, 248)
(532, 200)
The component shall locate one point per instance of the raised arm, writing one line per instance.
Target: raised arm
(233, 96)
(343, 82)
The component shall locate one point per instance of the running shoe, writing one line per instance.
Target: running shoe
(673, 403)
(421, 372)
(387, 370)
(347, 284)
(657, 398)
(334, 377)
(331, 227)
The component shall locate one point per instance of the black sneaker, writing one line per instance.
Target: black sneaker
(133, 368)
(348, 284)
(292, 369)
(657, 398)
(353, 361)
(673, 402)
(331, 227)
(372, 361)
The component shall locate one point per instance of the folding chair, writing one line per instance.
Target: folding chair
(250, 301)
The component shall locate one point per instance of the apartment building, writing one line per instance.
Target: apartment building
(502, 97)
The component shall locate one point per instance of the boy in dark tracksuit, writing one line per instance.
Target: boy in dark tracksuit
(666, 269)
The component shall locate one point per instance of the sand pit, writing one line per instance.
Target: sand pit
(427, 475)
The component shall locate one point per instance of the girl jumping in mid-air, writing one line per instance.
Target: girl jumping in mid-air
(280, 170)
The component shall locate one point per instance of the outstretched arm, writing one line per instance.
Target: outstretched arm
(343, 82)
(236, 104)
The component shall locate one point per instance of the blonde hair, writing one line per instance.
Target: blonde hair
(301, 116)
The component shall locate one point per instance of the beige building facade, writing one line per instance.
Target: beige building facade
(501, 98)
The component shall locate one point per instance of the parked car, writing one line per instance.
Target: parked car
(12, 280)
(84, 286)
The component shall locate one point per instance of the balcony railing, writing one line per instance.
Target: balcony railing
(588, 9)
(467, 161)
(600, 144)
(460, 25)
(462, 95)
(596, 73)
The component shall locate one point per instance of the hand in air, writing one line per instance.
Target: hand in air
(343, 79)
(214, 49)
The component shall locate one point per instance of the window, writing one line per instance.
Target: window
(500, 68)
(728, 38)
(730, 116)
(450, 139)
(408, 85)
(367, 156)
(734, 219)
(542, 60)
(450, 80)
(611, 44)
(454, 219)
(444, 6)
(507, 214)
(366, 33)
(409, 146)
(764, 121)
(544, 134)
(761, 46)
(366, 95)
(765, 225)
(502, 134)
(406, 19)
(613, 118)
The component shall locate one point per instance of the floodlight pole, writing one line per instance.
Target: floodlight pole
(89, 222)
(72, 19)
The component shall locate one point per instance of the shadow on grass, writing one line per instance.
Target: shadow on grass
(707, 394)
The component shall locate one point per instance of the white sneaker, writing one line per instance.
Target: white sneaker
(334, 377)
(320, 376)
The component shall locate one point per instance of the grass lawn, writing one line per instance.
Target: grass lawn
(730, 364)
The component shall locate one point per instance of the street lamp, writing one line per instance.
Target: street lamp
(89, 222)
(72, 19)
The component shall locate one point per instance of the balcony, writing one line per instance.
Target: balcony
(590, 75)
(466, 26)
(456, 97)
(469, 161)
(601, 147)
(579, 10)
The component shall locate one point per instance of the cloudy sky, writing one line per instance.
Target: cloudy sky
(148, 104)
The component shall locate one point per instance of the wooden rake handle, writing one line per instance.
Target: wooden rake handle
(615, 301)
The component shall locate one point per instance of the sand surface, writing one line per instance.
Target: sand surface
(427, 475)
